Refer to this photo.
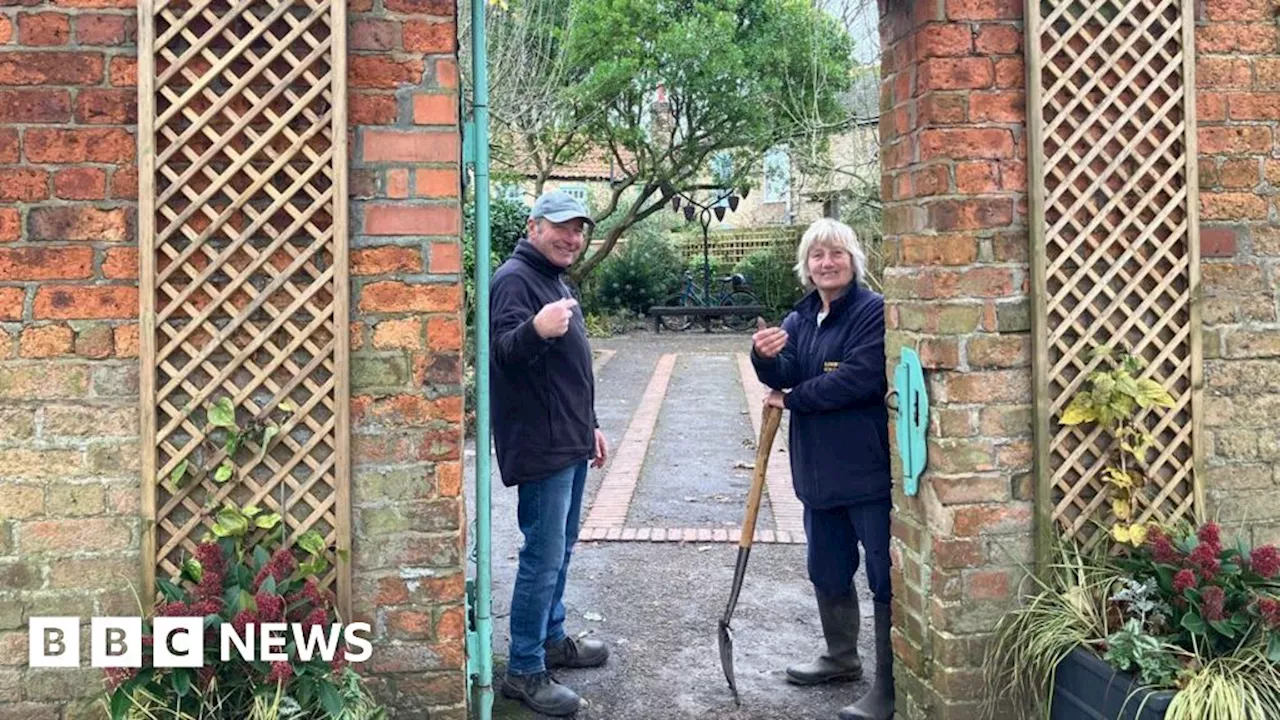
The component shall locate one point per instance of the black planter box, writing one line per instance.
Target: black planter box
(1087, 688)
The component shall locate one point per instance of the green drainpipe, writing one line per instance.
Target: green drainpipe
(484, 570)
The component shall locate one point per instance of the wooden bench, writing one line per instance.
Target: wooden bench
(706, 312)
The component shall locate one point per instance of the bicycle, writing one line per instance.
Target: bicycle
(733, 291)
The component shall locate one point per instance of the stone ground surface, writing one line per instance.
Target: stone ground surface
(657, 604)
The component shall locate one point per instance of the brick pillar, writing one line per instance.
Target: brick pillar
(69, 528)
(954, 186)
(1238, 72)
(409, 542)
(69, 484)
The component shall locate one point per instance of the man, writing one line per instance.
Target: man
(545, 432)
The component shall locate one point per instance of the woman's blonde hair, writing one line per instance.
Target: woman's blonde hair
(835, 233)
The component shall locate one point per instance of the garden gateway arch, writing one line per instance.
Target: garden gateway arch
(1138, 194)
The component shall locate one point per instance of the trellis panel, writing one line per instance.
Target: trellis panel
(243, 242)
(1114, 204)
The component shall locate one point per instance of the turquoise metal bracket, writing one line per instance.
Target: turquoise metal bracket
(472, 636)
(468, 143)
(913, 418)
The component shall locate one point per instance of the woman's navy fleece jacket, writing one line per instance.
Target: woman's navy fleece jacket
(839, 437)
(543, 391)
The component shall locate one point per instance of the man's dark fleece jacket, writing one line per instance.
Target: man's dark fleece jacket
(839, 437)
(543, 391)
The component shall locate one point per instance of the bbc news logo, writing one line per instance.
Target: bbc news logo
(179, 642)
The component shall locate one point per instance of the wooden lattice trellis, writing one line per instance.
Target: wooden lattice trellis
(1114, 227)
(243, 236)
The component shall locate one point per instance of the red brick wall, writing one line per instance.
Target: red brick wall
(69, 528)
(1238, 73)
(954, 185)
(407, 340)
(69, 485)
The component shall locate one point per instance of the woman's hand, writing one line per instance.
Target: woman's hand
(776, 399)
(768, 342)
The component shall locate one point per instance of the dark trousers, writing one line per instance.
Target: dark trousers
(834, 535)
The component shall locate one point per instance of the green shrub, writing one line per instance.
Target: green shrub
(772, 278)
(636, 277)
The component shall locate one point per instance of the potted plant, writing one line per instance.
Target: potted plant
(1156, 621)
(232, 581)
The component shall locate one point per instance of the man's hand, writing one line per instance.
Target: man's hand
(776, 399)
(602, 451)
(768, 341)
(552, 321)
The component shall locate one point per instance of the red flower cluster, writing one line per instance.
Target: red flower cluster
(118, 676)
(1265, 561)
(1269, 609)
(280, 566)
(270, 606)
(1211, 534)
(1184, 580)
(317, 616)
(1215, 600)
(280, 672)
(242, 620)
(210, 585)
(1162, 549)
(1205, 559)
(196, 609)
(309, 596)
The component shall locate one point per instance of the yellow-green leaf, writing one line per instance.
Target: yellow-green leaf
(267, 521)
(1120, 532)
(1120, 507)
(1137, 534)
(178, 473)
(222, 413)
(224, 471)
(1079, 411)
(1126, 384)
(288, 405)
(1118, 477)
(269, 432)
(1152, 393)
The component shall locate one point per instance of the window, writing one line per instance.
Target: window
(777, 176)
(577, 192)
(510, 192)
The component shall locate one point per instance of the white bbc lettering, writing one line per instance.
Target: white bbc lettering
(179, 641)
(116, 642)
(53, 642)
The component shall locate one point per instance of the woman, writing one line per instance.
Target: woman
(829, 355)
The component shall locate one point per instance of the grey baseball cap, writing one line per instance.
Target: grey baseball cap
(559, 206)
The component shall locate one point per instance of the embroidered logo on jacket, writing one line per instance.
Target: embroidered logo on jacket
(829, 365)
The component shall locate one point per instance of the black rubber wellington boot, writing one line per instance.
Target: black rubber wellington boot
(840, 623)
(878, 703)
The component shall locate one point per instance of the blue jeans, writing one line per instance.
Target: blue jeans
(834, 535)
(548, 511)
